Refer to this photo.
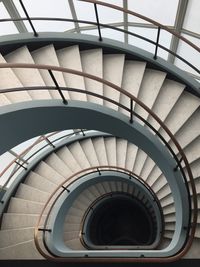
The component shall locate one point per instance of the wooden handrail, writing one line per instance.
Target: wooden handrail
(127, 11)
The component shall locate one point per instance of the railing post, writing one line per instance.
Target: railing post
(29, 20)
(21, 165)
(98, 171)
(157, 41)
(45, 230)
(58, 87)
(97, 17)
(82, 132)
(65, 188)
(131, 110)
(48, 141)
(179, 162)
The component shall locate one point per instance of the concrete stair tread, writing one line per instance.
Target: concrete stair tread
(110, 145)
(58, 165)
(42, 56)
(121, 149)
(152, 82)
(79, 155)
(18, 205)
(39, 182)
(19, 220)
(69, 57)
(113, 65)
(131, 81)
(49, 173)
(11, 237)
(9, 80)
(24, 250)
(67, 157)
(28, 77)
(30, 193)
(92, 63)
(99, 146)
(88, 149)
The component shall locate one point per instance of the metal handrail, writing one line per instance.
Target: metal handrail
(141, 104)
(98, 24)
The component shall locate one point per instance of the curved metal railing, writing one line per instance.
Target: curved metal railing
(131, 111)
(99, 25)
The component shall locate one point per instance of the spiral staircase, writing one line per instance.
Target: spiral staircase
(124, 188)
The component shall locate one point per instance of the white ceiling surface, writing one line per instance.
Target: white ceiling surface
(167, 12)
(164, 11)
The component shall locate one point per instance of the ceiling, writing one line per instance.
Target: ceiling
(179, 15)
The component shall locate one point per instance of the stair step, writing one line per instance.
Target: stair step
(192, 150)
(73, 219)
(153, 175)
(99, 146)
(58, 165)
(37, 181)
(28, 77)
(166, 99)
(79, 155)
(184, 108)
(84, 199)
(94, 190)
(152, 82)
(113, 65)
(131, 81)
(14, 236)
(47, 55)
(43, 169)
(139, 161)
(189, 131)
(121, 148)
(71, 235)
(110, 144)
(76, 212)
(18, 205)
(168, 208)
(160, 182)
(164, 193)
(67, 157)
(24, 250)
(168, 234)
(88, 149)
(170, 218)
(15, 220)
(92, 63)
(146, 169)
(68, 227)
(30, 193)
(9, 80)
(100, 188)
(69, 57)
(130, 156)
